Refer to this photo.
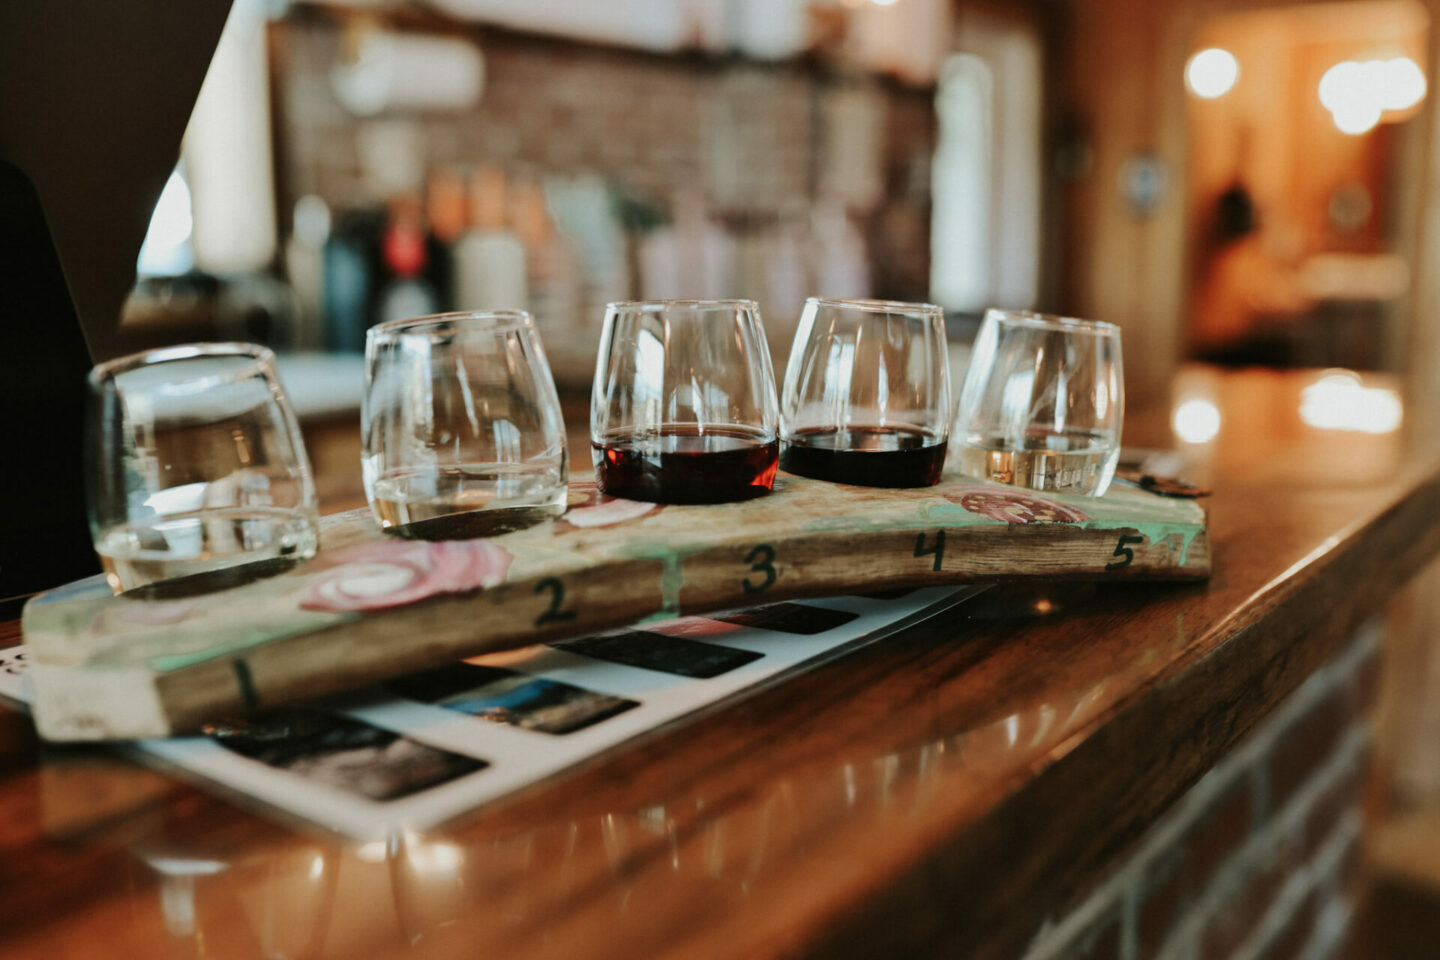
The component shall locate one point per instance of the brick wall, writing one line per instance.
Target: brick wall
(758, 147)
(1258, 860)
(651, 122)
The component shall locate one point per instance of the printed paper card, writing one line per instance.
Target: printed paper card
(430, 746)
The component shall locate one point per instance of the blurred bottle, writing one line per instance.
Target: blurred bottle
(553, 273)
(841, 261)
(693, 257)
(587, 214)
(490, 271)
(305, 266)
(446, 215)
(352, 277)
(407, 294)
(787, 276)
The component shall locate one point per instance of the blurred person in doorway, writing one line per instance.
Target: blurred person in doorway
(1246, 296)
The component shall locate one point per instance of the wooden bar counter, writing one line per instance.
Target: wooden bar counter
(945, 792)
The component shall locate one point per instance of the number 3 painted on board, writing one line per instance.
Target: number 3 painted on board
(761, 560)
(1123, 551)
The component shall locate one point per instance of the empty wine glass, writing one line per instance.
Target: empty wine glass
(867, 393)
(1042, 403)
(683, 408)
(198, 474)
(461, 426)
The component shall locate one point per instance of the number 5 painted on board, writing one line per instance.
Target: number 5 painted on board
(1123, 551)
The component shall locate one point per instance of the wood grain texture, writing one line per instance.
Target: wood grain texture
(117, 667)
(938, 794)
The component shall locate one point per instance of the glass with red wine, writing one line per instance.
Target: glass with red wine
(866, 399)
(684, 408)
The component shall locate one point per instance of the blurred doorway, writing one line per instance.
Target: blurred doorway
(1302, 178)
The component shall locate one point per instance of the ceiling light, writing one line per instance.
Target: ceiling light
(1356, 93)
(1356, 117)
(1401, 82)
(1196, 421)
(1211, 73)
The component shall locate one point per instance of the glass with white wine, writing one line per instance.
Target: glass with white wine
(461, 426)
(198, 474)
(1042, 403)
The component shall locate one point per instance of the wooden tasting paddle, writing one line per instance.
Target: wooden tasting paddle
(370, 606)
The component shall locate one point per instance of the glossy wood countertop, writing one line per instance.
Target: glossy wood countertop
(939, 793)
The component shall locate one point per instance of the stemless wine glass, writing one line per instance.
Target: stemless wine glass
(198, 474)
(1042, 403)
(683, 408)
(461, 426)
(867, 393)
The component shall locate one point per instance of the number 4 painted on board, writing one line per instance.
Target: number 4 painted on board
(938, 550)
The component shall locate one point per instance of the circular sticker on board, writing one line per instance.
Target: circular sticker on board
(1014, 507)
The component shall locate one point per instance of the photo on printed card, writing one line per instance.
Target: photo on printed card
(14, 662)
(700, 627)
(790, 618)
(654, 651)
(345, 753)
(888, 594)
(504, 696)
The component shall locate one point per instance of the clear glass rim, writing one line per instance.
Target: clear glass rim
(878, 306)
(496, 321)
(261, 357)
(671, 427)
(652, 306)
(1052, 321)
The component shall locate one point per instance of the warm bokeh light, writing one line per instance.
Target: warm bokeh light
(433, 858)
(1339, 401)
(1402, 83)
(1356, 117)
(1196, 421)
(1211, 73)
(1339, 84)
(1357, 94)
(376, 851)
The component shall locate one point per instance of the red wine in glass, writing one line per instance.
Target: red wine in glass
(866, 456)
(686, 463)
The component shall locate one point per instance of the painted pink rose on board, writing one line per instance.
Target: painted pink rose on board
(144, 613)
(1014, 507)
(598, 509)
(393, 573)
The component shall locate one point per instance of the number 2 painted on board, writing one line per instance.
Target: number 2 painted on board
(553, 613)
(1123, 551)
(761, 560)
